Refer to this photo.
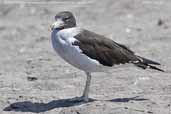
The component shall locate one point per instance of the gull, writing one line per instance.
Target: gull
(89, 51)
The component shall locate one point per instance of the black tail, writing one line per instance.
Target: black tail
(146, 63)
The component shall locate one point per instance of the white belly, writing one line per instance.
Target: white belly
(72, 54)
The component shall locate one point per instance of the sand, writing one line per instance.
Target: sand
(34, 79)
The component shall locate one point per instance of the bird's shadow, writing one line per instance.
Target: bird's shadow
(136, 98)
(28, 106)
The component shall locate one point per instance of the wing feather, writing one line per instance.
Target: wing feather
(104, 50)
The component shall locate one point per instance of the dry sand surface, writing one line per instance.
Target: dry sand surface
(33, 79)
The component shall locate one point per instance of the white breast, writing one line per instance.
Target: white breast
(62, 43)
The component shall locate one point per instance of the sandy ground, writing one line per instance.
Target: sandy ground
(33, 79)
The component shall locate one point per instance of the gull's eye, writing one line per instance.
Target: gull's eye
(66, 18)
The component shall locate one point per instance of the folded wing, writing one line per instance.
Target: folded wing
(108, 52)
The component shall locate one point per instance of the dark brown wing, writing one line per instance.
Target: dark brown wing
(104, 50)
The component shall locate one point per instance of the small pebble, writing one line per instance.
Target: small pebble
(20, 96)
(29, 60)
(28, 73)
(78, 112)
(160, 22)
(31, 78)
(130, 16)
(128, 30)
(138, 29)
(125, 107)
(22, 50)
(149, 112)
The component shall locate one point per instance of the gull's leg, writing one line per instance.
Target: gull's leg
(84, 97)
(87, 87)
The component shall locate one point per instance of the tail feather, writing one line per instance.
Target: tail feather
(155, 68)
(145, 66)
(146, 63)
